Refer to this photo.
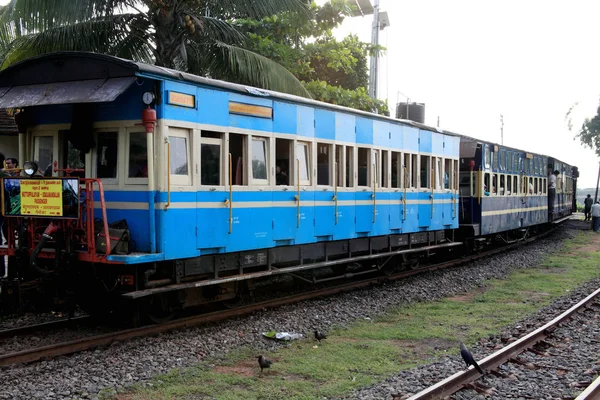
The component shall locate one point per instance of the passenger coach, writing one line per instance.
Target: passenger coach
(217, 183)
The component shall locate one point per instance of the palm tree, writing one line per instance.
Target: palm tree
(190, 35)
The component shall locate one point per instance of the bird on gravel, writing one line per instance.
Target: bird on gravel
(320, 336)
(468, 357)
(263, 363)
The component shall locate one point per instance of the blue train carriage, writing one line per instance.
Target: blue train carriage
(503, 190)
(565, 201)
(230, 183)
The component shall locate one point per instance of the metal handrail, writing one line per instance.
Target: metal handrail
(405, 186)
(230, 196)
(297, 197)
(168, 175)
(335, 196)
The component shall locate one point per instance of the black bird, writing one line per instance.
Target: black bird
(468, 357)
(263, 363)
(320, 336)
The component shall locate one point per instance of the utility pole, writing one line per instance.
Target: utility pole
(373, 70)
(438, 125)
(501, 129)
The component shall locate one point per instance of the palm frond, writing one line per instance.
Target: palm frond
(123, 35)
(256, 9)
(218, 29)
(234, 64)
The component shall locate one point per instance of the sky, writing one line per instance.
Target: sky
(470, 61)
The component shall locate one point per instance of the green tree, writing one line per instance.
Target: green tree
(332, 71)
(190, 35)
(589, 133)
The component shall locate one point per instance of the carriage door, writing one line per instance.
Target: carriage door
(213, 200)
(426, 187)
(324, 195)
(285, 207)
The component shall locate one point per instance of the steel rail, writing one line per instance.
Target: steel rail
(592, 392)
(65, 348)
(456, 382)
(23, 330)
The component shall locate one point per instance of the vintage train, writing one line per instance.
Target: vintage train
(162, 190)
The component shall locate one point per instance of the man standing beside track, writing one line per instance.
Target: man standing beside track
(588, 207)
(596, 216)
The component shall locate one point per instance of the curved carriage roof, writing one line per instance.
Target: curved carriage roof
(81, 66)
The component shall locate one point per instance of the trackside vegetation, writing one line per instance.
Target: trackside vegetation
(368, 351)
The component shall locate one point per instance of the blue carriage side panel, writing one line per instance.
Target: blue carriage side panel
(410, 223)
(382, 139)
(396, 206)
(213, 107)
(345, 131)
(425, 206)
(438, 207)
(305, 121)
(324, 124)
(450, 200)
(324, 198)
(178, 112)
(345, 127)
(284, 117)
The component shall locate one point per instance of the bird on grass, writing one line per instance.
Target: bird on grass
(468, 357)
(320, 336)
(263, 363)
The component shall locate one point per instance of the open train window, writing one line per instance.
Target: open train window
(107, 156)
(515, 185)
(137, 157)
(502, 187)
(283, 168)
(303, 159)
(237, 148)
(364, 167)
(259, 161)
(414, 170)
(544, 185)
(448, 174)
(323, 164)
(486, 184)
(43, 154)
(487, 157)
(508, 185)
(425, 172)
(437, 180)
(211, 158)
(397, 171)
(349, 166)
(180, 156)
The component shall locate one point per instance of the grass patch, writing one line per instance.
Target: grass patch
(369, 351)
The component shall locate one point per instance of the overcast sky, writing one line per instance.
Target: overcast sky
(470, 61)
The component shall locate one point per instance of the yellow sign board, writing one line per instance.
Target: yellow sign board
(182, 99)
(32, 197)
(249, 109)
(41, 197)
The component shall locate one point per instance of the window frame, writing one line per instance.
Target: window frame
(134, 180)
(181, 180)
(307, 146)
(265, 141)
(55, 147)
(219, 142)
(331, 147)
(97, 133)
(369, 151)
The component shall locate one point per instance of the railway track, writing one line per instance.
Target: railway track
(78, 345)
(467, 379)
(44, 326)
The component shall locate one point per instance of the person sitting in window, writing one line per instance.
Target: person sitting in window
(281, 177)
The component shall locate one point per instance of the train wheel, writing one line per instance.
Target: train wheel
(158, 310)
(240, 296)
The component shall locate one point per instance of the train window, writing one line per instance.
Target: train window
(397, 169)
(339, 166)
(283, 150)
(407, 171)
(237, 148)
(515, 185)
(363, 166)
(544, 185)
(508, 185)
(487, 157)
(486, 184)
(413, 171)
(502, 160)
(106, 155)
(43, 153)
(323, 164)
(494, 184)
(384, 168)
(349, 166)
(138, 156)
(73, 156)
(502, 188)
(425, 170)
(454, 177)
(438, 173)
(303, 159)
(448, 174)
(259, 161)
(210, 159)
(376, 168)
(180, 156)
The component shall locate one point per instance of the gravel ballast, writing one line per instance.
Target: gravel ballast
(85, 374)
